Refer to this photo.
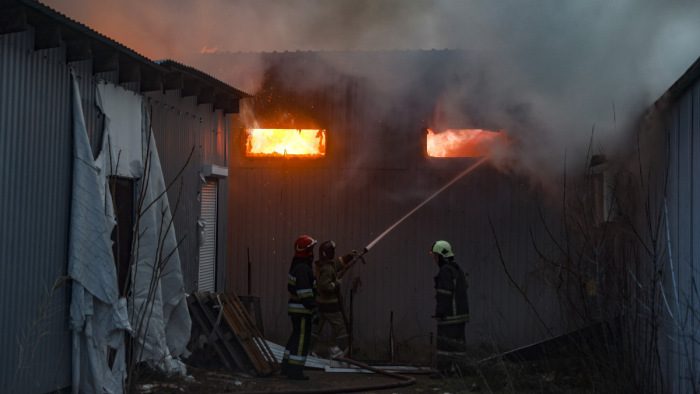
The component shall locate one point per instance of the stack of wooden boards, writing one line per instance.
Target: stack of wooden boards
(232, 332)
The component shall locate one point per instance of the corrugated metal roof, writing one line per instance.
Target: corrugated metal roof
(688, 79)
(171, 64)
(37, 13)
(85, 43)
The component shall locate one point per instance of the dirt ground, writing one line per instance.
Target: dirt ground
(555, 376)
(557, 370)
(223, 381)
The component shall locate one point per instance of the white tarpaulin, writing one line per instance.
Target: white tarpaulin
(123, 138)
(158, 309)
(157, 316)
(98, 316)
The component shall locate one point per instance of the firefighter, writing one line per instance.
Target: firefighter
(301, 285)
(328, 299)
(452, 306)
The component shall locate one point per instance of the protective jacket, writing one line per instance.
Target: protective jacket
(328, 287)
(301, 285)
(451, 294)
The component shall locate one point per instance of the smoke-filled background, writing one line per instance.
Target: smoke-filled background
(573, 71)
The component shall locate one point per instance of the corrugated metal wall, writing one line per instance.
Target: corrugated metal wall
(181, 127)
(271, 207)
(374, 174)
(682, 349)
(35, 173)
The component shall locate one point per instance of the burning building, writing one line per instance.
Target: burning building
(370, 149)
(378, 160)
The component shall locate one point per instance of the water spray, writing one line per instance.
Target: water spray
(358, 256)
(455, 179)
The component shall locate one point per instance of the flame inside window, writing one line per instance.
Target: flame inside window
(308, 143)
(462, 142)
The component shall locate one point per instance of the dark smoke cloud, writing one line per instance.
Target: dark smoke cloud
(554, 71)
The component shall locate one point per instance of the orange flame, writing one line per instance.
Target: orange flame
(462, 142)
(308, 143)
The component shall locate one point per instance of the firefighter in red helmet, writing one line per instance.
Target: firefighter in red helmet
(301, 307)
(328, 299)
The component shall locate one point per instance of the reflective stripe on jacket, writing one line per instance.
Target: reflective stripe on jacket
(451, 294)
(301, 286)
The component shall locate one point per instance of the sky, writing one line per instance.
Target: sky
(582, 67)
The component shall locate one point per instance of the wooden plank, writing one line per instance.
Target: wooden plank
(242, 324)
(199, 318)
(235, 336)
(222, 338)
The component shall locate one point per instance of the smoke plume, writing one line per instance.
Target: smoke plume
(556, 74)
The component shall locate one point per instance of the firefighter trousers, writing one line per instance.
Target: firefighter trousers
(297, 346)
(340, 332)
(451, 345)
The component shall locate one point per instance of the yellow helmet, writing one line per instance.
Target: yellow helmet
(442, 248)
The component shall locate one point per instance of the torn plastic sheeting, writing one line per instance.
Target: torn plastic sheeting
(158, 314)
(98, 317)
(123, 139)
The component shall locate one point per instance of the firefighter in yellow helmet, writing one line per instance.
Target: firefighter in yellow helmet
(301, 286)
(452, 306)
(328, 299)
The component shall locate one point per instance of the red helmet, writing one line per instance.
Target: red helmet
(304, 246)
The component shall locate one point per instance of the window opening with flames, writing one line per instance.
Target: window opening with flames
(463, 142)
(302, 143)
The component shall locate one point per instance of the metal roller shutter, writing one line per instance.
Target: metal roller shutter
(207, 249)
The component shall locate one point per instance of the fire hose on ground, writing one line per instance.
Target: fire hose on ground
(403, 381)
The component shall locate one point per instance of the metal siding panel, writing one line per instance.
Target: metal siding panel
(175, 129)
(695, 232)
(680, 358)
(222, 232)
(180, 125)
(671, 357)
(399, 269)
(681, 289)
(35, 136)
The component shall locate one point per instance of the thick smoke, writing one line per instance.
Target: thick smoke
(556, 74)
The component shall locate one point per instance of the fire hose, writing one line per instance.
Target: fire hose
(348, 323)
(355, 259)
(403, 381)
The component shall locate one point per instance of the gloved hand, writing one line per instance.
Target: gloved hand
(316, 316)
